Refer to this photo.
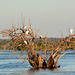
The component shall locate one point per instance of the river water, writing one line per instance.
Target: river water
(14, 66)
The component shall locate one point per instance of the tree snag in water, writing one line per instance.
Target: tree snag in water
(26, 37)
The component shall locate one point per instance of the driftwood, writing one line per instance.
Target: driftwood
(26, 37)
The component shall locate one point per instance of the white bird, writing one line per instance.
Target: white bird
(71, 31)
(25, 42)
(29, 29)
(27, 32)
(40, 36)
(25, 27)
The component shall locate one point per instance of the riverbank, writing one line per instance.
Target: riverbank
(38, 44)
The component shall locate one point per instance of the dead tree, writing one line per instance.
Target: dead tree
(57, 49)
(26, 37)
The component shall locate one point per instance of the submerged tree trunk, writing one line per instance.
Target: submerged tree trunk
(25, 37)
(50, 62)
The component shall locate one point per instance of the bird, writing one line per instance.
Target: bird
(25, 42)
(27, 32)
(25, 27)
(40, 36)
(71, 31)
(29, 29)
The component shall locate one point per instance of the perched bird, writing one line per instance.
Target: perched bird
(27, 32)
(40, 36)
(25, 27)
(25, 42)
(29, 29)
(22, 30)
(71, 31)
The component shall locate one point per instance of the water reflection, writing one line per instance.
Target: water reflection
(41, 71)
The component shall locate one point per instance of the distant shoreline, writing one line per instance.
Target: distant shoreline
(50, 40)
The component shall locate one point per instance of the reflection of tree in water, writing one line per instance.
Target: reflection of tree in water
(34, 70)
(27, 38)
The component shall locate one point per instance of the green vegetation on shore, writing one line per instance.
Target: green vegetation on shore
(38, 45)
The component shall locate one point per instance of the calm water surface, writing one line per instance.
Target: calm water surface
(14, 66)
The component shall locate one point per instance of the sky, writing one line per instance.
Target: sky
(50, 16)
